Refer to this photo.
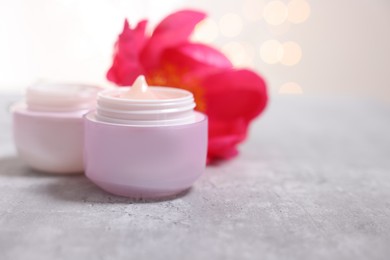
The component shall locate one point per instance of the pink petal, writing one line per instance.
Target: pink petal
(224, 136)
(124, 72)
(173, 30)
(185, 65)
(233, 98)
(126, 66)
(179, 25)
(195, 56)
(232, 94)
(131, 41)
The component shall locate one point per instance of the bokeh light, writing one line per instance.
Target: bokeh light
(275, 12)
(298, 11)
(292, 53)
(279, 29)
(230, 25)
(241, 54)
(271, 51)
(253, 10)
(206, 31)
(291, 88)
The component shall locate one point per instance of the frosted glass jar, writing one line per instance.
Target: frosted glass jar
(145, 148)
(48, 126)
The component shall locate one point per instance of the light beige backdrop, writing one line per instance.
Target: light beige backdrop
(303, 47)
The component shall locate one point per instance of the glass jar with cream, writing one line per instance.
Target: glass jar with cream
(145, 142)
(48, 126)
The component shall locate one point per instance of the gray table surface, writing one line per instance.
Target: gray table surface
(311, 182)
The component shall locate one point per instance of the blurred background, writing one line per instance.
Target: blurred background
(302, 47)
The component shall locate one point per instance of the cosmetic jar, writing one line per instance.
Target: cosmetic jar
(145, 148)
(48, 126)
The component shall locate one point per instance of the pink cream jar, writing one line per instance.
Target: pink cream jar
(145, 142)
(48, 126)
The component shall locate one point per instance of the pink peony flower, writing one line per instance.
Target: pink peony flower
(230, 97)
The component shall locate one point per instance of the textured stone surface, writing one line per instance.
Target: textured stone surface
(312, 182)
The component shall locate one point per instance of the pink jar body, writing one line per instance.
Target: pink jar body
(50, 142)
(144, 161)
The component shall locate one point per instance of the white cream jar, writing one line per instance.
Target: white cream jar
(48, 126)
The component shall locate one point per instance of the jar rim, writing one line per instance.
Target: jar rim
(61, 96)
(158, 89)
(175, 107)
